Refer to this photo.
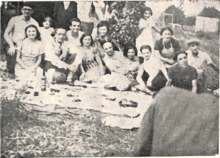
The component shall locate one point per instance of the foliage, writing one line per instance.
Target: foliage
(210, 12)
(125, 20)
(191, 20)
(178, 14)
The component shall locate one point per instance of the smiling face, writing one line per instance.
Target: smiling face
(146, 53)
(147, 14)
(103, 31)
(31, 33)
(131, 54)
(182, 60)
(87, 41)
(108, 49)
(27, 11)
(75, 27)
(60, 35)
(166, 35)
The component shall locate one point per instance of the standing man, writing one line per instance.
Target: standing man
(15, 32)
(182, 75)
(199, 60)
(63, 12)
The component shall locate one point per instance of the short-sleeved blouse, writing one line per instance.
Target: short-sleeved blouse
(30, 51)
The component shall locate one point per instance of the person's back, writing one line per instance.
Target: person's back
(179, 123)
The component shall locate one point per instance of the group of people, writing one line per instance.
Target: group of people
(75, 57)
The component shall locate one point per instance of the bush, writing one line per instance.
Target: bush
(200, 34)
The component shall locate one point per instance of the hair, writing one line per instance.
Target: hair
(49, 19)
(107, 42)
(127, 49)
(166, 28)
(147, 9)
(101, 24)
(177, 54)
(38, 33)
(145, 47)
(27, 4)
(58, 29)
(74, 19)
(83, 36)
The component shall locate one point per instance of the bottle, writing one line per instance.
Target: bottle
(43, 83)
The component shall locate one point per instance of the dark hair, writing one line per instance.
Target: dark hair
(38, 33)
(101, 24)
(49, 19)
(83, 36)
(28, 4)
(177, 54)
(145, 47)
(145, 9)
(106, 42)
(74, 19)
(166, 28)
(127, 49)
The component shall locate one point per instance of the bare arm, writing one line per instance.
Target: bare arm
(157, 30)
(214, 67)
(139, 78)
(8, 30)
(194, 86)
(157, 55)
(101, 67)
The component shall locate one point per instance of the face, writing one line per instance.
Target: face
(47, 24)
(31, 33)
(166, 36)
(75, 27)
(194, 47)
(87, 41)
(27, 11)
(146, 53)
(131, 54)
(60, 35)
(147, 14)
(182, 60)
(108, 48)
(103, 30)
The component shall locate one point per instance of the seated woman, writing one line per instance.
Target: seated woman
(181, 74)
(101, 35)
(166, 47)
(132, 64)
(29, 55)
(152, 75)
(88, 62)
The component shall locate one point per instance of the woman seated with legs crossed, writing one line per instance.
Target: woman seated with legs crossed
(152, 75)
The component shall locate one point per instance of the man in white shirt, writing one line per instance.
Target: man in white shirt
(199, 60)
(15, 32)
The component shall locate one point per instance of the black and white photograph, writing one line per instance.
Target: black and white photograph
(109, 78)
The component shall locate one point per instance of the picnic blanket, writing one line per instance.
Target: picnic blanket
(61, 98)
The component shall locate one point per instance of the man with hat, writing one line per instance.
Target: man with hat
(199, 60)
(15, 32)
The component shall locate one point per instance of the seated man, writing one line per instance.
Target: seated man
(199, 60)
(56, 68)
(181, 74)
(115, 62)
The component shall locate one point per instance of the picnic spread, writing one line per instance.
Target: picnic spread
(124, 109)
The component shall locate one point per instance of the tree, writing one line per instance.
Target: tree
(210, 12)
(191, 20)
(125, 20)
(178, 14)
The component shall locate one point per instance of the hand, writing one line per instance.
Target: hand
(11, 50)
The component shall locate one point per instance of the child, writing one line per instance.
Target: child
(151, 71)
(145, 26)
(47, 31)
(29, 54)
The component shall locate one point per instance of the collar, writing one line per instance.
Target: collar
(23, 19)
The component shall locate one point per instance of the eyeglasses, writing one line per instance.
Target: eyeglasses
(193, 45)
